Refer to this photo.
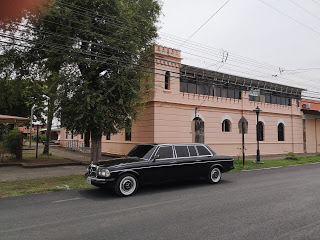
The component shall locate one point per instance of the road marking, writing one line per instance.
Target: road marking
(65, 200)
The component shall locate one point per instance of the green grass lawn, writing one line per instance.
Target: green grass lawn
(42, 185)
(274, 163)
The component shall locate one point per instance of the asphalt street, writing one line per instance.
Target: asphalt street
(281, 203)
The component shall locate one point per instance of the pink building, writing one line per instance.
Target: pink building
(311, 125)
(191, 104)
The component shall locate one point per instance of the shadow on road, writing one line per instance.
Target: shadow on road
(98, 194)
(156, 188)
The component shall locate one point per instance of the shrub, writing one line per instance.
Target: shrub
(41, 138)
(4, 128)
(12, 142)
(291, 156)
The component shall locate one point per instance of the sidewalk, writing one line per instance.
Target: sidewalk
(74, 163)
(20, 173)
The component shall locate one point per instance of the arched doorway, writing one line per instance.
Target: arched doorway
(198, 130)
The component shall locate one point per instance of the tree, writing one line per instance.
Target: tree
(93, 53)
(104, 94)
(20, 91)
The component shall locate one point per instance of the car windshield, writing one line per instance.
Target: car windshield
(142, 151)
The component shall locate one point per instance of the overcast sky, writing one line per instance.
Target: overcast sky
(257, 38)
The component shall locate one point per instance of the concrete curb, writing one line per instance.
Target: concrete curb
(9, 164)
(49, 165)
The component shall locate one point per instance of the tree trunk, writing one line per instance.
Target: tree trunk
(49, 125)
(95, 147)
(87, 138)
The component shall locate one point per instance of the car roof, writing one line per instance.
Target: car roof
(181, 144)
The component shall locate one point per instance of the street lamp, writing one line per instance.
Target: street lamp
(258, 110)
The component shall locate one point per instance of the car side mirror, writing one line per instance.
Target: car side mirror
(156, 157)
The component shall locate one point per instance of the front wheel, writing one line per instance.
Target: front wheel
(126, 185)
(214, 175)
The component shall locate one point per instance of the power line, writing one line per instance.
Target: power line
(230, 56)
(230, 59)
(302, 24)
(316, 2)
(205, 22)
(120, 23)
(305, 10)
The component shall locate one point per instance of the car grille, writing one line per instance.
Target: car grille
(92, 171)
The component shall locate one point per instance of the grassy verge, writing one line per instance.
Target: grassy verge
(42, 185)
(274, 163)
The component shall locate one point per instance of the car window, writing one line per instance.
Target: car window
(203, 151)
(142, 151)
(182, 151)
(165, 152)
(192, 151)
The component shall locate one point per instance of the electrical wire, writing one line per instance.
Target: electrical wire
(305, 10)
(302, 24)
(205, 22)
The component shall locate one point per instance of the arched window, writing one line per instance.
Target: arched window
(260, 130)
(226, 126)
(167, 80)
(280, 132)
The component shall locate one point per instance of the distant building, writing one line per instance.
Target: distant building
(311, 125)
(191, 104)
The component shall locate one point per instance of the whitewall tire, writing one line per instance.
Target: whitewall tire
(126, 185)
(214, 175)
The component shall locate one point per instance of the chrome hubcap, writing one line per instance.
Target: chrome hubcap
(128, 185)
(215, 175)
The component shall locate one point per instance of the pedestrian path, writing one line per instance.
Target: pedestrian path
(14, 173)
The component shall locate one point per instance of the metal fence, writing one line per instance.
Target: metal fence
(76, 145)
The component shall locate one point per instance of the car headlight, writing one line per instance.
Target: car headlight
(103, 172)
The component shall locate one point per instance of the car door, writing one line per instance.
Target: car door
(187, 158)
(162, 167)
(205, 160)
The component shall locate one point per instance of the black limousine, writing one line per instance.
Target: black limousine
(156, 163)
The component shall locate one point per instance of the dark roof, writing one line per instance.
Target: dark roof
(311, 112)
(187, 71)
(13, 119)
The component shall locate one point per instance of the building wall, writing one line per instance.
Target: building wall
(313, 135)
(173, 123)
(168, 117)
(142, 132)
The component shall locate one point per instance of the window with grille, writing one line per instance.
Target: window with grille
(280, 132)
(226, 126)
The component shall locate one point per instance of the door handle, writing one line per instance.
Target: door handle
(173, 162)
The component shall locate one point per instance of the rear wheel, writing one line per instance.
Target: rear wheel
(126, 185)
(214, 175)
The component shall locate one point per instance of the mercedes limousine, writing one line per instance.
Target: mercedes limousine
(149, 163)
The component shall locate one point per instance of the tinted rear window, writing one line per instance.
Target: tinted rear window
(165, 152)
(192, 151)
(203, 151)
(182, 151)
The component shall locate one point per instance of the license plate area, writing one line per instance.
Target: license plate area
(89, 180)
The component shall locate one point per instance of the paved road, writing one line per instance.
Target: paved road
(267, 204)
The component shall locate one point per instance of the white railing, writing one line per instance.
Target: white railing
(76, 145)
